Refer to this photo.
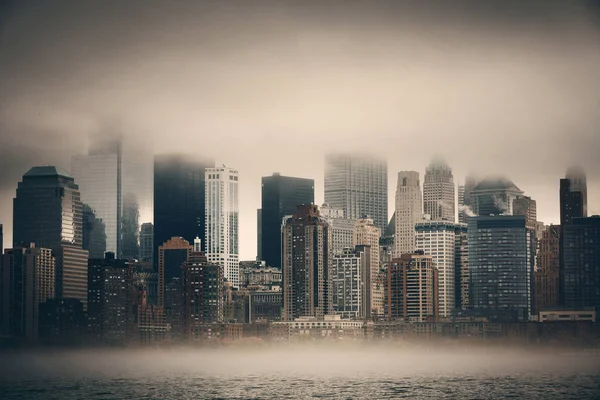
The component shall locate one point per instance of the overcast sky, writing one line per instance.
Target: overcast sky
(509, 87)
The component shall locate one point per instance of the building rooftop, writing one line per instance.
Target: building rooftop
(496, 183)
(47, 170)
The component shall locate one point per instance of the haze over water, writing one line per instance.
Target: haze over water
(300, 372)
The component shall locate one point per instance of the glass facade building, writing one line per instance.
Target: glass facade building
(501, 259)
(281, 196)
(357, 184)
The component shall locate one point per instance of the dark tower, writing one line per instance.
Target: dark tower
(179, 194)
(281, 196)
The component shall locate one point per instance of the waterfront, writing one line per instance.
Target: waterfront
(295, 372)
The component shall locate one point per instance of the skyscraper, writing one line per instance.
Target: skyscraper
(222, 221)
(494, 196)
(524, 205)
(93, 233)
(409, 210)
(99, 176)
(27, 276)
(581, 263)
(438, 239)
(501, 252)
(306, 242)
(366, 233)
(281, 195)
(464, 198)
(439, 191)
(461, 267)
(146, 242)
(357, 184)
(573, 204)
(342, 229)
(48, 212)
(412, 290)
(179, 195)
(130, 228)
(547, 273)
(171, 256)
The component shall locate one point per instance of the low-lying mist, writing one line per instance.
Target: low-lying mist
(313, 361)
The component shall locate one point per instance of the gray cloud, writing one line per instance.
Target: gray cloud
(496, 87)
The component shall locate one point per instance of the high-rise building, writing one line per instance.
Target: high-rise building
(222, 221)
(281, 195)
(202, 287)
(412, 292)
(171, 256)
(501, 253)
(350, 277)
(27, 276)
(494, 196)
(306, 242)
(439, 191)
(357, 184)
(524, 205)
(179, 196)
(342, 229)
(409, 210)
(461, 267)
(93, 233)
(130, 229)
(147, 242)
(573, 204)
(99, 176)
(464, 198)
(366, 233)
(581, 263)
(438, 240)
(547, 272)
(48, 212)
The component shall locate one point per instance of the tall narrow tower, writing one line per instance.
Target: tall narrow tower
(408, 211)
(222, 226)
(439, 191)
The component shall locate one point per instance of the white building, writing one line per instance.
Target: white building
(439, 192)
(99, 180)
(409, 210)
(366, 233)
(342, 229)
(348, 283)
(222, 220)
(358, 185)
(438, 240)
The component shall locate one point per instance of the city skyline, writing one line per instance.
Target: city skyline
(387, 79)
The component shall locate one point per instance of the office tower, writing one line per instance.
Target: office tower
(494, 196)
(412, 290)
(409, 210)
(281, 195)
(93, 233)
(461, 267)
(366, 233)
(501, 253)
(465, 209)
(306, 242)
(546, 274)
(130, 228)
(147, 242)
(439, 191)
(573, 204)
(350, 277)
(179, 194)
(202, 287)
(171, 256)
(222, 221)
(357, 184)
(524, 205)
(99, 176)
(48, 212)
(581, 263)
(27, 276)
(342, 229)
(438, 240)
